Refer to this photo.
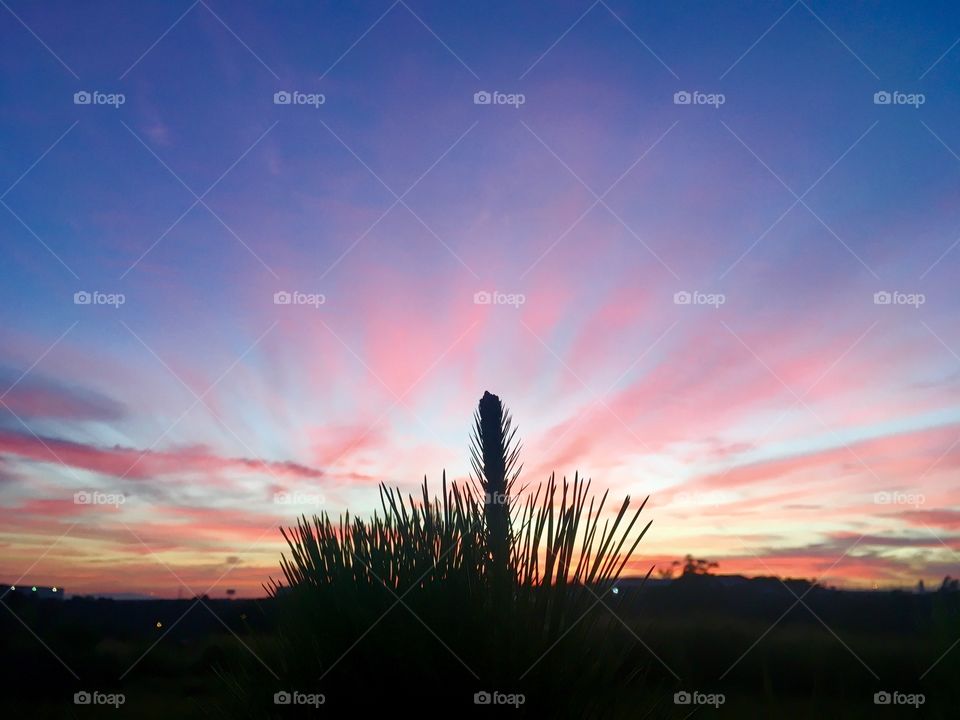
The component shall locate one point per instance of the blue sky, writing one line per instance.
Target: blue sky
(764, 422)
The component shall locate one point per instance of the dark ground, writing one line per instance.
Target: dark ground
(823, 658)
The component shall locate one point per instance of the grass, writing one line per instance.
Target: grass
(798, 670)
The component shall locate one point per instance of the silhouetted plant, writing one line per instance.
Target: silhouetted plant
(494, 457)
(512, 584)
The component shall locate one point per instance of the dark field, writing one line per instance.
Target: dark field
(216, 658)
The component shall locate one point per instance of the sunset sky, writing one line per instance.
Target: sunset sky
(787, 420)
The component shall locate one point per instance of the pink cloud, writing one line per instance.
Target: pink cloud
(900, 457)
(130, 462)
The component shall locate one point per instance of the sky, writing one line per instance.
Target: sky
(258, 259)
